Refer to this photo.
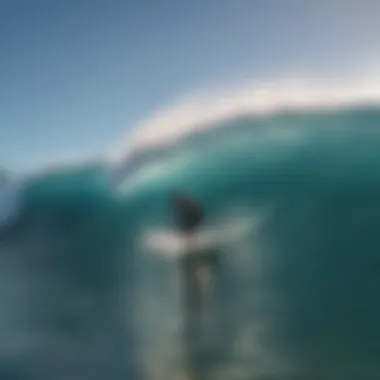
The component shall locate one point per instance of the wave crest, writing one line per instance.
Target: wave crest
(208, 110)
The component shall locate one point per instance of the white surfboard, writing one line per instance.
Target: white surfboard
(171, 244)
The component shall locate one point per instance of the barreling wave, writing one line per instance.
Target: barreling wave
(299, 290)
(289, 176)
(214, 109)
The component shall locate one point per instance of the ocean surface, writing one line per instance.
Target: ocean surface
(90, 287)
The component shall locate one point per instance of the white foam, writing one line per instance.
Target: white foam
(207, 110)
(168, 243)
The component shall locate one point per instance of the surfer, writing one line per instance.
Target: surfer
(197, 278)
(189, 218)
(189, 214)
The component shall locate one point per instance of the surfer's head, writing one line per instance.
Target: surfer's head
(182, 202)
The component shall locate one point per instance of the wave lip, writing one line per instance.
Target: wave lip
(207, 111)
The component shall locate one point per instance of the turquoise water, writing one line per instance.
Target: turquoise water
(298, 287)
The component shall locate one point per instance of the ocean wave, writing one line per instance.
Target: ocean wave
(214, 109)
(298, 296)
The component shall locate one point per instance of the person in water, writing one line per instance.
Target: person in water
(189, 218)
(189, 214)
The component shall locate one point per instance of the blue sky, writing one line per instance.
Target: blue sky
(76, 75)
